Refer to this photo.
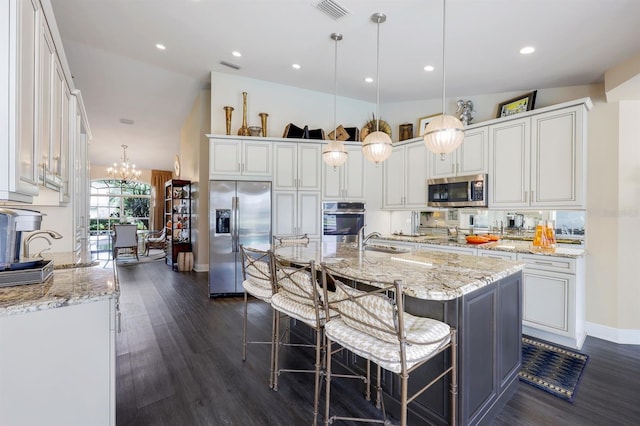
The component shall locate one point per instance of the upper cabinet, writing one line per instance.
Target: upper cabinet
(347, 181)
(405, 175)
(297, 166)
(471, 158)
(538, 161)
(37, 115)
(18, 84)
(235, 158)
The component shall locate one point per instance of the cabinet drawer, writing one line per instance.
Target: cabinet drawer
(548, 263)
(497, 254)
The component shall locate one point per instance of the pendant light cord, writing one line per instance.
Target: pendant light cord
(335, 90)
(378, 78)
(444, 19)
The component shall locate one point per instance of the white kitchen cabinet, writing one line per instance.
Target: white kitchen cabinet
(472, 157)
(297, 166)
(405, 174)
(45, 100)
(347, 181)
(81, 134)
(297, 213)
(553, 299)
(496, 254)
(57, 366)
(20, 20)
(239, 157)
(538, 161)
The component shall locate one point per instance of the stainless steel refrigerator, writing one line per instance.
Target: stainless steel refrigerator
(239, 213)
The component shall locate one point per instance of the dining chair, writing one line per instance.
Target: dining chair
(373, 325)
(297, 294)
(155, 239)
(257, 268)
(125, 237)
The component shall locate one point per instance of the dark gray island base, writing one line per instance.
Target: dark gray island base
(489, 324)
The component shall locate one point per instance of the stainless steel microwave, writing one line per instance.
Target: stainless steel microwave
(458, 191)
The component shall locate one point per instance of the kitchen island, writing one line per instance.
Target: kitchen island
(480, 297)
(57, 340)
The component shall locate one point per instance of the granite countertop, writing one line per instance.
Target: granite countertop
(67, 260)
(513, 246)
(65, 287)
(425, 275)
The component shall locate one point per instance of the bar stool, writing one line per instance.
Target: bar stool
(257, 282)
(297, 294)
(375, 327)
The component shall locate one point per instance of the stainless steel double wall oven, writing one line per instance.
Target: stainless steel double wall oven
(341, 221)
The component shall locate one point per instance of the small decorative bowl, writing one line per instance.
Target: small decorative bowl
(255, 130)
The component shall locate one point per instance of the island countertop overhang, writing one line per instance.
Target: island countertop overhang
(425, 275)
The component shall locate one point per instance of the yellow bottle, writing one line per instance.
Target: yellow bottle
(551, 236)
(540, 237)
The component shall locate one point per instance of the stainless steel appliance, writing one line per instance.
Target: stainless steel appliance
(458, 191)
(341, 221)
(13, 222)
(239, 213)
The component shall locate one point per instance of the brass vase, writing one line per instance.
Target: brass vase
(244, 130)
(263, 120)
(227, 116)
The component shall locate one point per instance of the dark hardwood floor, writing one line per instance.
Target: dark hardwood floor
(179, 363)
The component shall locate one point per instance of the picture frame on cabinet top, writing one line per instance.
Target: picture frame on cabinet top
(423, 122)
(517, 105)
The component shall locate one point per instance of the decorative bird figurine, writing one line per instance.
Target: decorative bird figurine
(465, 109)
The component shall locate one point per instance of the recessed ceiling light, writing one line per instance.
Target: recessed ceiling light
(236, 53)
(528, 49)
(368, 80)
(160, 46)
(296, 66)
(429, 68)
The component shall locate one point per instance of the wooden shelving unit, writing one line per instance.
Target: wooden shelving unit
(177, 218)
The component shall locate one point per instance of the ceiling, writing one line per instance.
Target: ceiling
(110, 47)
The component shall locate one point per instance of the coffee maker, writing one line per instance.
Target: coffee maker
(13, 222)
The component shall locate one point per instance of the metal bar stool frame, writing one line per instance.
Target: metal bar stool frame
(396, 302)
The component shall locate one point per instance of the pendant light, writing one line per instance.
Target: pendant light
(334, 153)
(377, 146)
(445, 133)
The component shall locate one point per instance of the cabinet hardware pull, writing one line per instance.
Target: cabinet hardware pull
(119, 319)
(526, 196)
(537, 262)
(532, 197)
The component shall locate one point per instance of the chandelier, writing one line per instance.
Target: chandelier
(124, 171)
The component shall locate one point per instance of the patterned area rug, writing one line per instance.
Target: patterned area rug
(554, 369)
(128, 260)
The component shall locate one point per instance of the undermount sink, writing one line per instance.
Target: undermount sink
(386, 249)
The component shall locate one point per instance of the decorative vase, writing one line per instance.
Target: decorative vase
(255, 130)
(263, 119)
(227, 116)
(244, 130)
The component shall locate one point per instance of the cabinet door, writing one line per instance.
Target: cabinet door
(45, 99)
(557, 144)
(309, 214)
(440, 166)
(473, 154)
(26, 74)
(284, 213)
(224, 157)
(509, 160)
(66, 143)
(256, 158)
(309, 166)
(394, 171)
(354, 183)
(547, 300)
(285, 166)
(332, 182)
(415, 175)
(57, 96)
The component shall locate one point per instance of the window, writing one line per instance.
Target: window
(115, 201)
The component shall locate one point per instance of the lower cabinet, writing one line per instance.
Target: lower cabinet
(296, 213)
(554, 299)
(57, 366)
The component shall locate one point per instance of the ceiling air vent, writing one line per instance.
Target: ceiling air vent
(230, 65)
(331, 8)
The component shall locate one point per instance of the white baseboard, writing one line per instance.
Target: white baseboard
(201, 267)
(615, 335)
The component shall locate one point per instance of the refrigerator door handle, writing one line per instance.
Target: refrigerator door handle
(234, 224)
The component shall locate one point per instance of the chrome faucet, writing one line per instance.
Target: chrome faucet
(362, 239)
(39, 234)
